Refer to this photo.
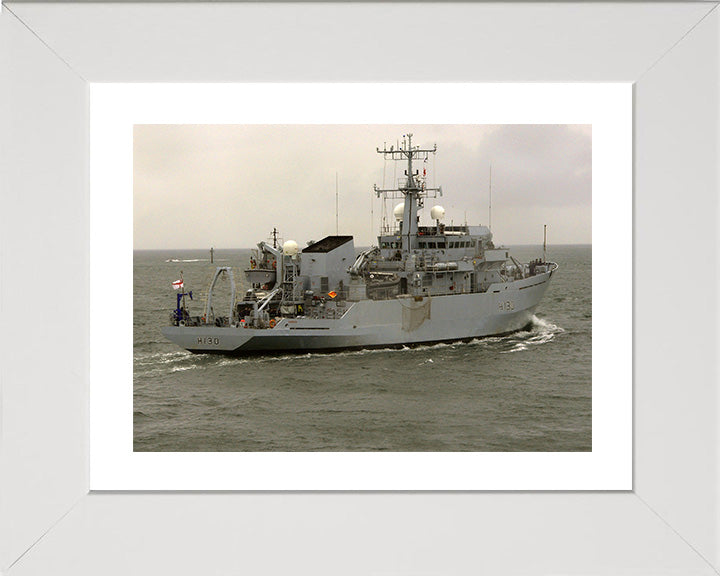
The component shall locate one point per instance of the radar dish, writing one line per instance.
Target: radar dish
(290, 248)
(437, 212)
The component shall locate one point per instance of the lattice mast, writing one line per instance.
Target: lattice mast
(411, 189)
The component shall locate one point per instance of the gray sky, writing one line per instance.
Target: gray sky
(227, 185)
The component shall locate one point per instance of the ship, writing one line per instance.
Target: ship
(420, 284)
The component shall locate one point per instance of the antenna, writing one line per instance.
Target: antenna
(433, 170)
(490, 202)
(411, 189)
(336, 205)
(372, 217)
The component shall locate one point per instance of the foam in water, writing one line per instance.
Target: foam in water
(183, 368)
(541, 332)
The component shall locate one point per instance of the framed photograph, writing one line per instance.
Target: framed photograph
(70, 409)
(236, 186)
(121, 123)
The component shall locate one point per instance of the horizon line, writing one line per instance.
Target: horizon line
(358, 246)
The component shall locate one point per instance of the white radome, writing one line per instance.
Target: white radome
(437, 213)
(399, 210)
(290, 248)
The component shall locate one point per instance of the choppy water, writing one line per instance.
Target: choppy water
(530, 391)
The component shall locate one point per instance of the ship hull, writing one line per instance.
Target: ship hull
(504, 308)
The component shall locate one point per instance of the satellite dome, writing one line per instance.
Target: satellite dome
(399, 211)
(437, 212)
(290, 248)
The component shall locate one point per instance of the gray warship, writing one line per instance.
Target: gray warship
(419, 285)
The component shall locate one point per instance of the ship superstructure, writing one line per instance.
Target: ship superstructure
(419, 284)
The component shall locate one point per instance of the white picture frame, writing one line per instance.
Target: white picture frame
(116, 109)
(668, 524)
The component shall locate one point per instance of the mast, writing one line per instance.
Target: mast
(544, 242)
(182, 289)
(409, 189)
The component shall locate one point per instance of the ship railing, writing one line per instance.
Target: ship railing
(389, 229)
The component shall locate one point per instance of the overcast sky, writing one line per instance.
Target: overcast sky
(227, 186)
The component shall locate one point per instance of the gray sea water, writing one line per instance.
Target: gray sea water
(529, 391)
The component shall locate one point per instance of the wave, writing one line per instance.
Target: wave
(188, 260)
(144, 359)
(175, 260)
(540, 331)
(183, 368)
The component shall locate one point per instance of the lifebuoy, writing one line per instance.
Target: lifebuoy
(272, 323)
(274, 264)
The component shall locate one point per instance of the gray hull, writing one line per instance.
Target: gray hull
(503, 308)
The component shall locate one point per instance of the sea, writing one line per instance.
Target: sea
(530, 391)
